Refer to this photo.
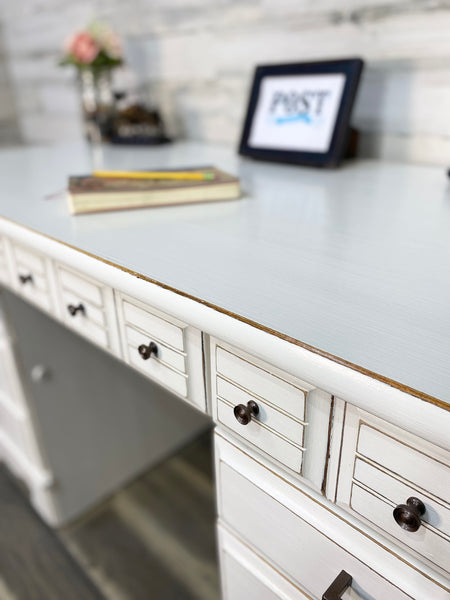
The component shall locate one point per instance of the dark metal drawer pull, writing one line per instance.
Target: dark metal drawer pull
(147, 351)
(25, 279)
(244, 413)
(408, 515)
(338, 587)
(73, 310)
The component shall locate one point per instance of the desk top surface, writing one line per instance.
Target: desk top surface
(354, 262)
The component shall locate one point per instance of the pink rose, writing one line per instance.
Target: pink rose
(83, 47)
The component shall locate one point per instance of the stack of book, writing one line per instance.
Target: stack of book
(116, 190)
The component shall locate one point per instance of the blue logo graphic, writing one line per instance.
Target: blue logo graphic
(294, 107)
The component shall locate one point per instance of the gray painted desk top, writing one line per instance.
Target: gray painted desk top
(353, 262)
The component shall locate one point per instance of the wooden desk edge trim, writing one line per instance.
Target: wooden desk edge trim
(49, 246)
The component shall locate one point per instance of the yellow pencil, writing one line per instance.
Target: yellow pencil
(199, 175)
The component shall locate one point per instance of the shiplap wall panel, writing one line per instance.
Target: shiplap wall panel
(195, 59)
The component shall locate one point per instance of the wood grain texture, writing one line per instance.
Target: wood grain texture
(349, 263)
(155, 538)
(34, 564)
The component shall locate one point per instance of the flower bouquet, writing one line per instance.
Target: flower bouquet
(95, 52)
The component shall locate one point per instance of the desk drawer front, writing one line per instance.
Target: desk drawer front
(162, 348)
(277, 426)
(86, 289)
(32, 276)
(28, 259)
(263, 381)
(291, 536)
(381, 467)
(88, 308)
(262, 437)
(5, 275)
(246, 576)
(165, 354)
(155, 369)
(162, 330)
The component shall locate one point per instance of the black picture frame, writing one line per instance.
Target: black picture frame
(351, 68)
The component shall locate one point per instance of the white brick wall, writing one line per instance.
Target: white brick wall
(195, 59)
(9, 130)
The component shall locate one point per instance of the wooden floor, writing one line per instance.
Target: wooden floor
(153, 539)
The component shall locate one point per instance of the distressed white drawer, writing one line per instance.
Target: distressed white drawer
(156, 370)
(87, 307)
(303, 540)
(246, 576)
(5, 275)
(17, 430)
(165, 330)
(175, 360)
(382, 467)
(264, 438)
(276, 388)
(260, 403)
(28, 259)
(32, 276)
(165, 354)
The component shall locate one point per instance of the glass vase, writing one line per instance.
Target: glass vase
(97, 102)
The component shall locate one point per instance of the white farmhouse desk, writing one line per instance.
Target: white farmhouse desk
(310, 320)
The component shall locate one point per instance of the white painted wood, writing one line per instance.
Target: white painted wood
(179, 362)
(261, 381)
(318, 409)
(266, 440)
(402, 454)
(20, 464)
(85, 289)
(15, 426)
(317, 247)
(162, 329)
(28, 259)
(99, 423)
(195, 367)
(98, 321)
(305, 540)
(165, 354)
(395, 465)
(396, 491)
(246, 576)
(10, 389)
(5, 275)
(427, 467)
(27, 262)
(270, 417)
(334, 453)
(412, 414)
(158, 371)
(4, 272)
(425, 541)
(92, 312)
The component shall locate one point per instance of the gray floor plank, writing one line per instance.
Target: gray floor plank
(34, 564)
(156, 537)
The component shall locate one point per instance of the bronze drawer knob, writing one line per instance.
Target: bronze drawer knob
(408, 515)
(338, 587)
(245, 413)
(73, 310)
(146, 351)
(25, 279)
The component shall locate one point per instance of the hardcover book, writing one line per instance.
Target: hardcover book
(96, 194)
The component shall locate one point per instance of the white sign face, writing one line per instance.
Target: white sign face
(297, 112)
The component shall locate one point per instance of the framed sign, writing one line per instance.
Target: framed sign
(300, 113)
